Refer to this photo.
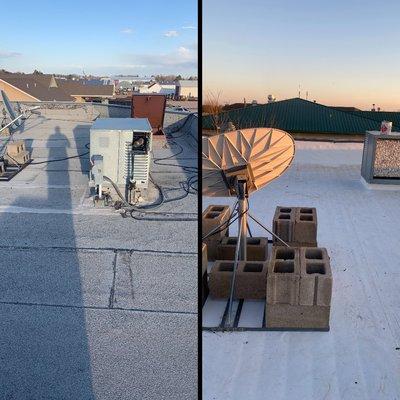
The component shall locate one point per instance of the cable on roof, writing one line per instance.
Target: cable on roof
(87, 145)
(131, 209)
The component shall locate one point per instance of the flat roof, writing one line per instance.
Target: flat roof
(359, 358)
(131, 124)
(94, 305)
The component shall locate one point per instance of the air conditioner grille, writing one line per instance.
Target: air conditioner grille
(138, 168)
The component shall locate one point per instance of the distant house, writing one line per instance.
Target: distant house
(159, 88)
(124, 85)
(45, 87)
(125, 82)
(105, 80)
(86, 92)
(301, 118)
(186, 89)
(168, 89)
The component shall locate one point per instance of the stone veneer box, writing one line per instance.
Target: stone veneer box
(381, 158)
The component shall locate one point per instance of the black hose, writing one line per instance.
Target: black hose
(131, 208)
(60, 159)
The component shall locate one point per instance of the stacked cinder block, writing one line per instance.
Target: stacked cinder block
(257, 249)
(250, 279)
(212, 217)
(299, 289)
(297, 226)
(204, 280)
(5, 132)
(16, 153)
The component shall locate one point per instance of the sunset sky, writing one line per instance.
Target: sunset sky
(342, 52)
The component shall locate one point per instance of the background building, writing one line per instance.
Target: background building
(303, 119)
(186, 89)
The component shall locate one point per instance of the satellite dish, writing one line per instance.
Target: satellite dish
(256, 156)
(238, 163)
(10, 110)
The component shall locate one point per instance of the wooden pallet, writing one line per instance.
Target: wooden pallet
(13, 170)
(247, 315)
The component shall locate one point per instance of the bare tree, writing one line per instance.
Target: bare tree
(213, 109)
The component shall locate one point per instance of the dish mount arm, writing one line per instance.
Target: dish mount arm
(242, 195)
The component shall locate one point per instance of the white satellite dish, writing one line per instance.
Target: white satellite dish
(10, 110)
(16, 120)
(239, 163)
(257, 155)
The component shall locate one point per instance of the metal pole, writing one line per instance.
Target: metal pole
(234, 273)
(241, 185)
(272, 233)
(10, 123)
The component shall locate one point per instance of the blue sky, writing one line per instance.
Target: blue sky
(341, 52)
(101, 37)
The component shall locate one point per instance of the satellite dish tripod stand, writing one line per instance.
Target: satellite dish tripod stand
(240, 184)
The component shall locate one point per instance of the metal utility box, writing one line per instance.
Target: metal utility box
(381, 158)
(151, 106)
(120, 149)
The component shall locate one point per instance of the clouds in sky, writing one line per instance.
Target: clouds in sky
(127, 31)
(189, 27)
(9, 54)
(171, 34)
(184, 57)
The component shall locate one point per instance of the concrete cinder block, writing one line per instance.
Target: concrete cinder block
(283, 279)
(305, 227)
(315, 277)
(250, 281)
(214, 216)
(283, 224)
(257, 249)
(20, 158)
(14, 148)
(220, 279)
(297, 226)
(204, 275)
(302, 306)
(5, 132)
(286, 316)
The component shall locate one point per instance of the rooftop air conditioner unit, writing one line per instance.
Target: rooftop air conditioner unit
(120, 157)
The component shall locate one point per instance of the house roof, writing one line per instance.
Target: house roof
(36, 85)
(45, 87)
(297, 116)
(75, 88)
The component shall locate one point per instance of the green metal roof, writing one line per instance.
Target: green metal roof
(297, 116)
(380, 116)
